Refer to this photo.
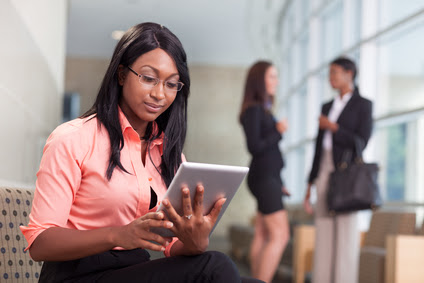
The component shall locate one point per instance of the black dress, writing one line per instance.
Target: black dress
(264, 178)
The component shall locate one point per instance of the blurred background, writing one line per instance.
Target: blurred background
(54, 53)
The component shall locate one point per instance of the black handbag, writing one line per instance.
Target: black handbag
(353, 186)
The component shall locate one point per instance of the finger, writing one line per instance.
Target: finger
(155, 246)
(173, 216)
(217, 209)
(187, 210)
(151, 236)
(198, 201)
(153, 215)
(158, 223)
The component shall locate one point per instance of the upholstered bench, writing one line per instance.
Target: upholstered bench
(404, 258)
(15, 263)
(373, 253)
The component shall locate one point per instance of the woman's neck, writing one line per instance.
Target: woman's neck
(345, 90)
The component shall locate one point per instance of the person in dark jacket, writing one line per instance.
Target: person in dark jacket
(263, 134)
(345, 118)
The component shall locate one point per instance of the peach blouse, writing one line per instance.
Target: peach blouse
(72, 190)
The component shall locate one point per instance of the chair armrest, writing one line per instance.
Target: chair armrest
(363, 235)
(404, 258)
(303, 250)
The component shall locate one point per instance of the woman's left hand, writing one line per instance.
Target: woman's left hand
(193, 228)
(326, 124)
(285, 191)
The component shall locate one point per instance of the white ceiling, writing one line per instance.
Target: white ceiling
(217, 32)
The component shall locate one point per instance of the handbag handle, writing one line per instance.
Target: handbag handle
(347, 154)
(359, 147)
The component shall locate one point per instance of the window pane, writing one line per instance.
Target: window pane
(401, 69)
(332, 23)
(327, 92)
(396, 163)
(392, 11)
(303, 53)
(301, 112)
(397, 157)
(294, 174)
(304, 6)
(288, 28)
(357, 21)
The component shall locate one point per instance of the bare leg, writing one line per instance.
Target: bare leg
(277, 234)
(258, 242)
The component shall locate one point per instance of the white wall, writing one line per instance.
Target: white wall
(84, 76)
(214, 134)
(31, 83)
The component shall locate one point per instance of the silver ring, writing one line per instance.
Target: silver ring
(188, 216)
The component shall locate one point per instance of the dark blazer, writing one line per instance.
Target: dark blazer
(262, 140)
(355, 121)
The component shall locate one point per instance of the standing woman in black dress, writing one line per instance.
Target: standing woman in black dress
(263, 134)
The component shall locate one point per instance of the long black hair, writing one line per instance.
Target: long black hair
(137, 41)
(254, 89)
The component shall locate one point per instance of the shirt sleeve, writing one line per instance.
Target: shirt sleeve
(58, 180)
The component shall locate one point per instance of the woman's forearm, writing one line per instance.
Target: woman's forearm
(61, 244)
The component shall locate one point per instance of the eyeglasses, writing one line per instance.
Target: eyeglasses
(151, 82)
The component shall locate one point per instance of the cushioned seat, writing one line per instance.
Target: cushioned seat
(404, 258)
(373, 253)
(371, 264)
(15, 263)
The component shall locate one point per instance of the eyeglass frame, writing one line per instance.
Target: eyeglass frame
(156, 79)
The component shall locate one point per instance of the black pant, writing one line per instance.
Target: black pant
(136, 266)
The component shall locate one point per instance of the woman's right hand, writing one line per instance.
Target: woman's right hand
(282, 126)
(137, 233)
(307, 202)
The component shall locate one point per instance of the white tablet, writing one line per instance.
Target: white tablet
(218, 181)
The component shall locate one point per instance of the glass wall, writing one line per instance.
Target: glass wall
(385, 39)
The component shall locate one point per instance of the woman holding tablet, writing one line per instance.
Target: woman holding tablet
(263, 134)
(102, 175)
